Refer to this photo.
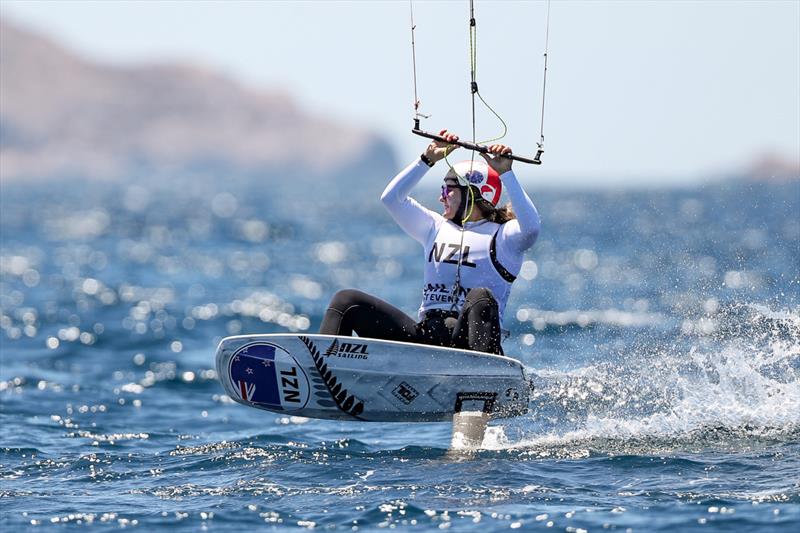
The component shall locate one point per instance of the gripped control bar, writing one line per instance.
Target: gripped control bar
(479, 147)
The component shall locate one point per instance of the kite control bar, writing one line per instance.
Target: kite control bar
(537, 160)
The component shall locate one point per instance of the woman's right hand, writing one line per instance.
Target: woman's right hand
(437, 150)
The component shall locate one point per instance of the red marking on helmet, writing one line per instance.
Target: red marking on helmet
(490, 193)
(489, 184)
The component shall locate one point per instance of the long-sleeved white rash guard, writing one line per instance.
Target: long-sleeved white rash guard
(441, 240)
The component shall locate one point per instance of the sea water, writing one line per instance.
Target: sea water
(661, 329)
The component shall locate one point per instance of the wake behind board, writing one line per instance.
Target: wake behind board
(355, 378)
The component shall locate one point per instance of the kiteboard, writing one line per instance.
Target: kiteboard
(355, 378)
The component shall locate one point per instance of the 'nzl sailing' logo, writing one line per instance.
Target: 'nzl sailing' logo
(437, 254)
(351, 350)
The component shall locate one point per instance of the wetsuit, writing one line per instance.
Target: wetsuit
(491, 257)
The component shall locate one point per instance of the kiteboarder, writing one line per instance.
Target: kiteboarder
(473, 252)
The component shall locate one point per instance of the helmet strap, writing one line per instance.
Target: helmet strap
(458, 218)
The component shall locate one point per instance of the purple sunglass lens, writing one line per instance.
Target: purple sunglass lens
(446, 189)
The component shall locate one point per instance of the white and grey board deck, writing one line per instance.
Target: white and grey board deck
(353, 378)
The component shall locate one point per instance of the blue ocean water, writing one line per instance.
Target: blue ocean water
(661, 327)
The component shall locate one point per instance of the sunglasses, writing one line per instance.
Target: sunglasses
(446, 190)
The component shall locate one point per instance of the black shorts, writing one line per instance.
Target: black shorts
(476, 327)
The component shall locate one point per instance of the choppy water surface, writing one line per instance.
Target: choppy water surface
(662, 329)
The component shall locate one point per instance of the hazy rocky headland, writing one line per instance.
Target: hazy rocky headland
(64, 118)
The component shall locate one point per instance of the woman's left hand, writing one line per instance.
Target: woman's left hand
(500, 164)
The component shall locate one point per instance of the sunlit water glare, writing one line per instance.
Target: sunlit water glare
(662, 330)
